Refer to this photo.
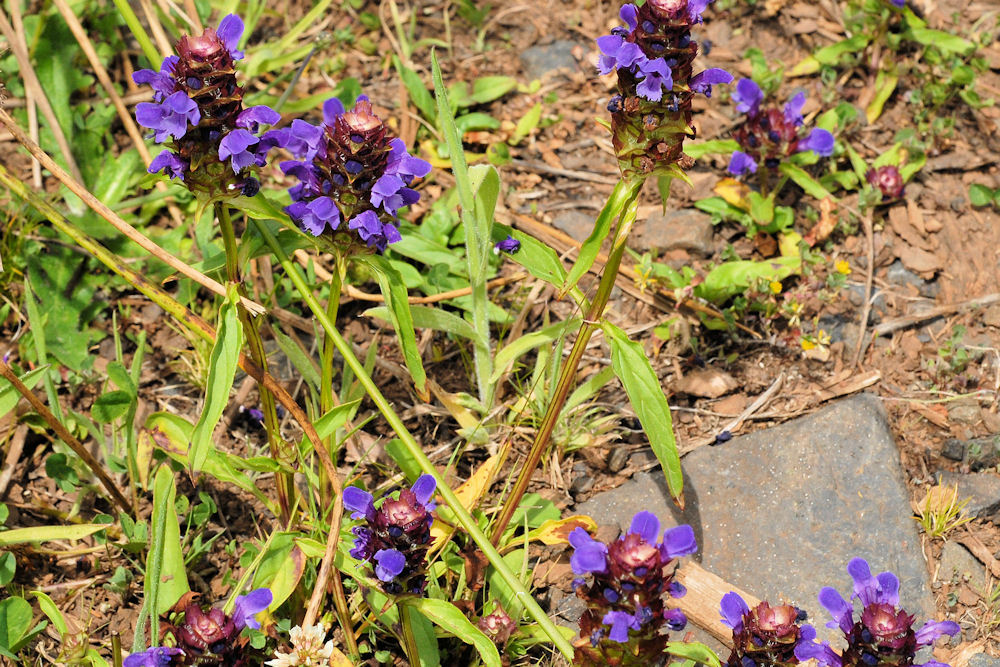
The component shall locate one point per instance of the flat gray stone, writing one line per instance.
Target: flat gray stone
(958, 565)
(575, 223)
(780, 512)
(981, 489)
(686, 229)
(983, 660)
(540, 60)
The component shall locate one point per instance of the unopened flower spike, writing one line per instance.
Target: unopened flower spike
(769, 135)
(653, 55)
(887, 180)
(353, 176)
(213, 142)
(763, 636)
(625, 616)
(882, 634)
(395, 536)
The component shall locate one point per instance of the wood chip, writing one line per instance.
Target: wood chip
(707, 383)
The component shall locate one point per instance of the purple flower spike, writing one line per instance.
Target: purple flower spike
(646, 525)
(748, 96)
(933, 630)
(361, 503)
(230, 31)
(703, 81)
(819, 140)
(677, 542)
(169, 118)
(509, 245)
(658, 77)
(741, 163)
(621, 622)
(589, 555)
(839, 608)
(235, 145)
(168, 160)
(389, 563)
(676, 619)
(158, 656)
(249, 605)
(733, 608)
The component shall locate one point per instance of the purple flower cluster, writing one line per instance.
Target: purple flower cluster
(764, 636)
(353, 176)
(395, 535)
(768, 135)
(197, 109)
(883, 635)
(625, 610)
(653, 55)
(208, 637)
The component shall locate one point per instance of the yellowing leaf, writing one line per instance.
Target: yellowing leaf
(338, 659)
(557, 532)
(468, 493)
(734, 192)
(788, 244)
(807, 65)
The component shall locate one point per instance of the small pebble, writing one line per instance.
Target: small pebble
(953, 449)
(617, 459)
(581, 485)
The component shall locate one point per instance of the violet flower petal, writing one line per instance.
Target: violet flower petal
(630, 14)
(732, 608)
(793, 110)
(332, 109)
(819, 140)
(839, 608)
(933, 630)
(741, 163)
(361, 503)
(424, 488)
(677, 542)
(234, 145)
(168, 160)
(230, 31)
(658, 77)
(509, 245)
(822, 653)
(702, 82)
(620, 623)
(367, 225)
(249, 605)
(645, 525)
(696, 8)
(675, 618)
(589, 555)
(389, 563)
(748, 96)
(157, 656)
(402, 164)
(261, 114)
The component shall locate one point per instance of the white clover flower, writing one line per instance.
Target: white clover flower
(307, 648)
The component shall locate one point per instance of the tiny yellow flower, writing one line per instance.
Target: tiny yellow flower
(822, 338)
(843, 267)
(807, 344)
(775, 287)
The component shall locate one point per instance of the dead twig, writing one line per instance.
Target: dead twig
(13, 455)
(859, 346)
(938, 311)
(757, 404)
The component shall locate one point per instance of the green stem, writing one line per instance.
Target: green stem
(416, 451)
(332, 306)
(135, 27)
(567, 374)
(285, 483)
(409, 639)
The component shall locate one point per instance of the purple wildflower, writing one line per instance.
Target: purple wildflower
(819, 140)
(198, 109)
(676, 619)
(748, 96)
(395, 535)
(509, 245)
(355, 170)
(249, 605)
(158, 656)
(741, 163)
(766, 635)
(703, 81)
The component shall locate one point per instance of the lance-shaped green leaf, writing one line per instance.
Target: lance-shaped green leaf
(512, 351)
(804, 180)
(9, 396)
(695, 651)
(426, 317)
(166, 579)
(221, 372)
(449, 618)
(649, 402)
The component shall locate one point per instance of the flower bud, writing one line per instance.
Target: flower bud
(886, 180)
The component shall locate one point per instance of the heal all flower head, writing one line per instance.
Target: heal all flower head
(768, 135)
(883, 636)
(653, 56)
(197, 111)
(625, 616)
(353, 176)
(209, 637)
(395, 535)
(764, 636)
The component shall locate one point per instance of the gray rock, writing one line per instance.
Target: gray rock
(983, 660)
(780, 512)
(575, 223)
(957, 565)
(953, 449)
(897, 274)
(984, 452)
(686, 229)
(540, 60)
(965, 411)
(981, 489)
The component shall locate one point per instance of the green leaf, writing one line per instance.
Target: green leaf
(221, 372)
(15, 619)
(831, 55)
(472, 122)
(944, 41)
(885, 84)
(697, 149)
(166, 579)
(425, 317)
(110, 406)
(802, 178)
(9, 396)
(717, 206)
(419, 95)
(506, 357)
(8, 566)
(979, 195)
(695, 651)
(448, 617)
(527, 124)
(398, 309)
(300, 360)
(624, 192)
(858, 164)
(649, 402)
(732, 278)
(76, 531)
(280, 568)
(52, 611)
(488, 88)
(761, 208)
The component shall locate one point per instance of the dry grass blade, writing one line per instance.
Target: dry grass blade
(29, 97)
(128, 230)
